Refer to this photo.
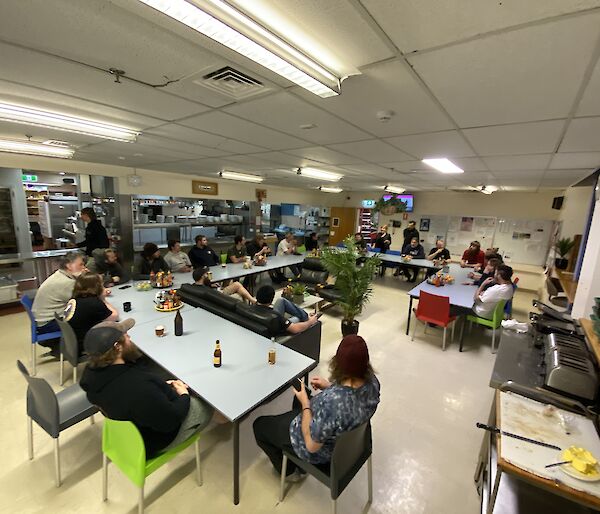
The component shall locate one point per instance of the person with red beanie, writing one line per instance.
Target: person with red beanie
(348, 399)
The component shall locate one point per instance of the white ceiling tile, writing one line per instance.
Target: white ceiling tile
(286, 113)
(373, 150)
(469, 163)
(522, 138)
(325, 155)
(517, 175)
(518, 162)
(388, 86)
(204, 166)
(229, 126)
(418, 24)
(590, 102)
(575, 160)
(571, 176)
(326, 31)
(582, 136)
(437, 144)
(528, 74)
(43, 71)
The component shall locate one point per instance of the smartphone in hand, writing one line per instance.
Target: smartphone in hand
(297, 384)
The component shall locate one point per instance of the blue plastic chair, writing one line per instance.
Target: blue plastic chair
(391, 264)
(340, 245)
(508, 306)
(375, 250)
(35, 336)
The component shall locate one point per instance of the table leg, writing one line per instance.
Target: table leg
(236, 462)
(409, 313)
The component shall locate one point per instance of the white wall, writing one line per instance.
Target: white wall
(575, 210)
(589, 279)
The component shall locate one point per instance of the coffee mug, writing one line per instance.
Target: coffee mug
(159, 330)
(126, 306)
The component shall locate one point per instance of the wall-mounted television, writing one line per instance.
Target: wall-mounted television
(407, 199)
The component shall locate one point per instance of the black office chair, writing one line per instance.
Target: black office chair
(54, 412)
(69, 348)
(556, 293)
(352, 450)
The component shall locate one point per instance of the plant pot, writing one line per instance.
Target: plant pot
(561, 263)
(388, 211)
(349, 327)
(298, 299)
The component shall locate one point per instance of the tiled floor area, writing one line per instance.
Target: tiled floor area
(425, 440)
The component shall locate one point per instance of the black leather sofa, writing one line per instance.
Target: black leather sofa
(262, 322)
(314, 276)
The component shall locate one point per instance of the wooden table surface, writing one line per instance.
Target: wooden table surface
(592, 337)
(567, 282)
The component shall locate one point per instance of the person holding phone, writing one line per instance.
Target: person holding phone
(344, 401)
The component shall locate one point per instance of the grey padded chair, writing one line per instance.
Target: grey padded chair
(556, 293)
(352, 450)
(54, 412)
(69, 348)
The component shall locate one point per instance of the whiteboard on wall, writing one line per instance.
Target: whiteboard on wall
(438, 227)
(464, 229)
(524, 241)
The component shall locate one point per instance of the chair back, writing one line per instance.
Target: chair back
(498, 313)
(301, 249)
(376, 250)
(122, 443)
(28, 305)
(351, 451)
(42, 405)
(69, 346)
(551, 287)
(433, 307)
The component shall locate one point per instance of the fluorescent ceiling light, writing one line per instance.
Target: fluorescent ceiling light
(33, 148)
(487, 190)
(330, 189)
(394, 189)
(59, 121)
(240, 176)
(443, 165)
(205, 23)
(319, 174)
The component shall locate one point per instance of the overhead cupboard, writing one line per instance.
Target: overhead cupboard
(519, 240)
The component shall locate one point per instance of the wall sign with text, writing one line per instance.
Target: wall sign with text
(200, 187)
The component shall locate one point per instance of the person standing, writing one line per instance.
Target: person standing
(348, 399)
(410, 232)
(95, 233)
(383, 240)
(202, 254)
(178, 261)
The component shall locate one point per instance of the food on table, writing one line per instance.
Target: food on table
(143, 286)
(161, 279)
(582, 460)
(167, 300)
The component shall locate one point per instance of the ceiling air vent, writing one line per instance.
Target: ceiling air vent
(232, 83)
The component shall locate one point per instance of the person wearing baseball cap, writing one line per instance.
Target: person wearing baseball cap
(164, 412)
(348, 399)
(200, 276)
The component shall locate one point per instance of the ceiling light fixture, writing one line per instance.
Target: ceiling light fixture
(242, 41)
(33, 148)
(56, 120)
(394, 189)
(487, 190)
(231, 175)
(319, 174)
(325, 189)
(443, 165)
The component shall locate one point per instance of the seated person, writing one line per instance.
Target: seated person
(202, 254)
(438, 253)
(416, 251)
(486, 298)
(348, 399)
(488, 271)
(287, 246)
(53, 295)
(104, 261)
(311, 243)
(178, 260)
(359, 241)
(200, 276)
(472, 256)
(257, 246)
(88, 307)
(489, 254)
(299, 320)
(149, 261)
(237, 253)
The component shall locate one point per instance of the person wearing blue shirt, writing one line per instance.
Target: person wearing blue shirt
(345, 401)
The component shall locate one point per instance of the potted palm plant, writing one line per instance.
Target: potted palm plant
(352, 281)
(298, 291)
(562, 247)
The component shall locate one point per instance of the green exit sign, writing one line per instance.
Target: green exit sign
(30, 178)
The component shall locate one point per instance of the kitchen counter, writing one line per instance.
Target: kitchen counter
(13, 258)
(517, 360)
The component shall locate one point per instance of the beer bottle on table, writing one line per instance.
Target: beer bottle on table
(178, 324)
(217, 355)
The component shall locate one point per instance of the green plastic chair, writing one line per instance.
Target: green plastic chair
(301, 249)
(494, 323)
(223, 258)
(122, 443)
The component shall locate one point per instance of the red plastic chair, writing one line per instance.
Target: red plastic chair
(434, 309)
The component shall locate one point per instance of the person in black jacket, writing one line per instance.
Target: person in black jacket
(150, 261)
(164, 412)
(104, 261)
(409, 233)
(95, 233)
(312, 242)
(416, 251)
(383, 240)
(202, 254)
